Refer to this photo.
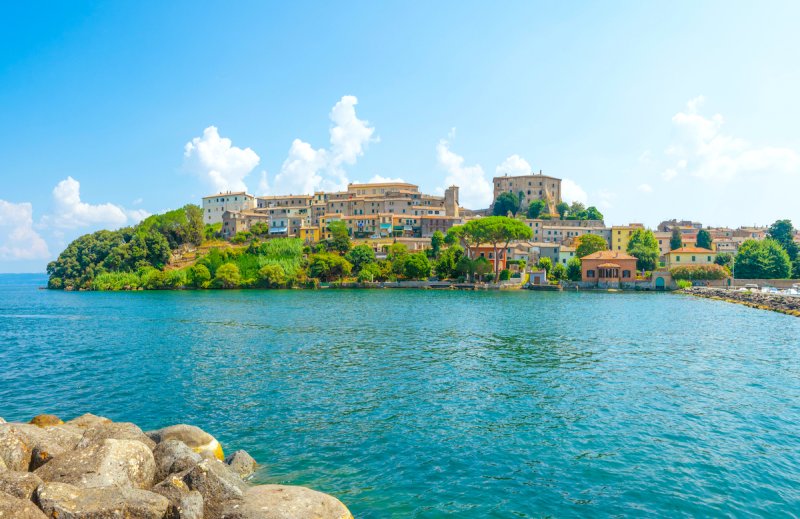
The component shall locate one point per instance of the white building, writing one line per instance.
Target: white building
(215, 205)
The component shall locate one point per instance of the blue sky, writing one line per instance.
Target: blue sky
(649, 110)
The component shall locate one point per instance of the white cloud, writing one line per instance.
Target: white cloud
(379, 179)
(706, 152)
(605, 198)
(306, 169)
(18, 239)
(669, 174)
(475, 190)
(263, 184)
(215, 159)
(69, 212)
(572, 192)
(645, 188)
(136, 215)
(513, 166)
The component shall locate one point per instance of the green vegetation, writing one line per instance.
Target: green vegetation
(700, 272)
(704, 239)
(497, 231)
(643, 245)
(589, 244)
(676, 240)
(535, 209)
(782, 231)
(765, 259)
(506, 203)
(724, 259)
(574, 269)
(683, 283)
(562, 208)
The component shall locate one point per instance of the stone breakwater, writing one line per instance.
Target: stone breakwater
(754, 299)
(92, 468)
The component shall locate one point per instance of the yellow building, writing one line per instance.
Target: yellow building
(621, 235)
(690, 256)
(309, 234)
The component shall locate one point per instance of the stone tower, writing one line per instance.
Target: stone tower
(451, 201)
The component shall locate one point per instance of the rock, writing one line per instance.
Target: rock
(88, 420)
(17, 442)
(197, 439)
(43, 420)
(2, 465)
(19, 484)
(241, 463)
(184, 503)
(120, 463)
(2, 421)
(285, 502)
(217, 484)
(38, 458)
(173, 456)
(116, 431)
(69, 502)
(12, 507)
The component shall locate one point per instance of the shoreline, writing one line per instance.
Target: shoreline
(789, 305)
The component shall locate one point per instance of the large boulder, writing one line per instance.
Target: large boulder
(241, 463)
(69, 502)
(183, 502)
(116, 431)
(87, 420)
(217, 484)
(12, 507)
(285, 502)
(18, 441)
(44, 420)
(173, 456)
(197, 439)
(19, 484)
(120, 463)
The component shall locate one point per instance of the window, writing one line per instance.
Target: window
(677, 258)
(590, 273)
(626, 273)
(709, 259)
(693, 259)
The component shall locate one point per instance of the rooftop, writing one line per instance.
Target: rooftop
(228, 194)
(691, 250)
(609, 255)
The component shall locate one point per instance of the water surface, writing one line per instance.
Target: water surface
(427, 403)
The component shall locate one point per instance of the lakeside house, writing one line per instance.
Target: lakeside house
(690, 256)
(608, 268)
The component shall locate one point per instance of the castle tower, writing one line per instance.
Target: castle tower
(451, 201)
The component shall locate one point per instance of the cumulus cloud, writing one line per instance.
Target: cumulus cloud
(379, 179)
(572, 192)
(307, 169)
(645, 188)
(513, 166)
(18, 239)
(475, 190)
(706, 152)
(70, 212)
(217, 161)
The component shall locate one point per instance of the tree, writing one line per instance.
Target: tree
(437, 240)
(369, 273)
(577, 210)
(505, 203)
(340, 237)
(498, 231)
(228, 276)
(272, 276)
(782, 231)
(546, 264)
(574, 269)
(562, 208)
(445, 266)
(199, 276)
(704, 239)
(588, 244)
(326, 266)
(724, 259)
(465, 267)
(764, 259)
(360, 256)
(593, 214)
(644, 246)
(535, 209)
(481, 267)
(417, 266)
(676, 241)
(559, 272)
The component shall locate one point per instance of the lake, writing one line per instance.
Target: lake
(410, 403)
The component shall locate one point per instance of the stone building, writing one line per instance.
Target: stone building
(532, 187)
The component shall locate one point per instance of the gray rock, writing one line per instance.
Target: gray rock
(173, 456)
(184, 503)
(197, 439)
(217, 484)
(69, 502)
(19, 484)
(88, 420)
(285, 502)
(38, 458)
(120, 463)
(241, 463)
(116, 431)
(12, 507)
(17, 442)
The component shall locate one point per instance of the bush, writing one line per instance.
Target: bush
(199, 276)
(272, 276)
(700, 272)
(417, 266)
(228, 276)
(505, 275)
(682, 283)
(574, 269)
(559, 272)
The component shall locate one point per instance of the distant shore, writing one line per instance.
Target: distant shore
(785, 304)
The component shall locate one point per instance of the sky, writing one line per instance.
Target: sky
(112, 111)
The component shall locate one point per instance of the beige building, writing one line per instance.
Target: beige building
(566, 231)
(215, 205)
(690, 256)
(532, 187)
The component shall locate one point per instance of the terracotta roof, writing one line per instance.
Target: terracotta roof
(691, 250)
(608, 266)
(609, 255)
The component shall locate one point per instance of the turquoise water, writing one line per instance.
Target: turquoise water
(426, 403)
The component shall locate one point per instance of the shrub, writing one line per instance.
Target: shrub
(682, 283)
(505, 275)
(228, 276)
(199, 276)
(700, 272)
(417, 266)
(272, 276)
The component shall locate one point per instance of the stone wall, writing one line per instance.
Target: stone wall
(755, 299)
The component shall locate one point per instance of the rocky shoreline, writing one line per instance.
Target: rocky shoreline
(776, 302)
(92, 468)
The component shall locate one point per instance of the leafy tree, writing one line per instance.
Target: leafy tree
(445, 266)
(465, 267)
(782, 232)
(535, 209)
(228, 276)
(505, 275)
(676, 241)
(644, 246)
(272, 276)
(764, 259)
(545, 263)
(212, 231)
(562, 208)
(199, 276)
(481, 267)
(417, 266)
(452, 237)
(593, 214)
(574, 269)
(340, 237)
(588, 244)
(437, 240)
(369, 273)
(327, 266)
(704, 239)
(360, 255)
(559, 272)
(498, 231)
(577, 210)
(506, 203)
(724, 259)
